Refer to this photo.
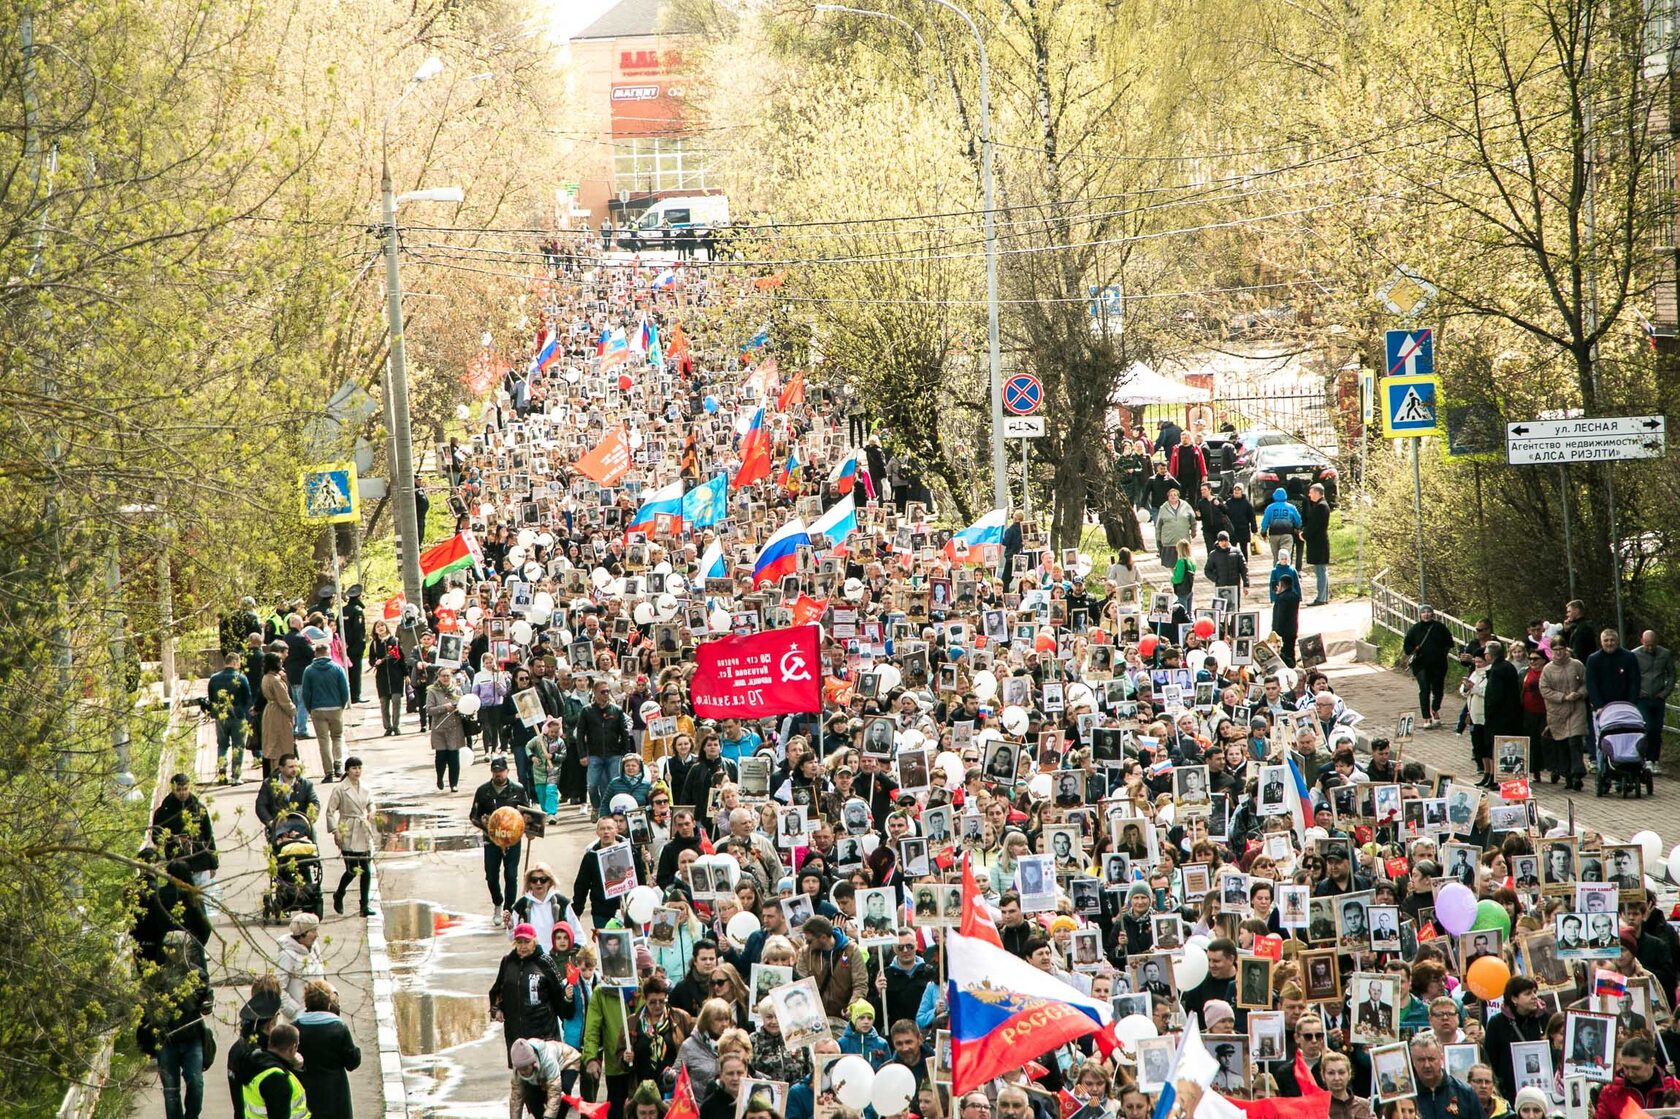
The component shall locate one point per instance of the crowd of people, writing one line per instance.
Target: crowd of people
(1158, 806)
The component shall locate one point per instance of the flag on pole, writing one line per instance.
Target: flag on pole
(976, 918)
(711, 565)
(1312, 1103)
(844, 475)
(839, 522)
(1297, 797)
(988, 530)
(1003, 1007)
(1191, 1062)
(683, 1104)
(708, 503)
(609, 461)
(454, 554)
(1609, 984)
(780, 554)
(755, 453)
(793, 392)
(664, 502)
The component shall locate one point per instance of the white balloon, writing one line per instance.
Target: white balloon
(719, 621)
(623, 802)
(466, 757)
(985, 685)
(1650, 843)
(532, 571)
(573, 376)
(853, 1077)
(1080, 695)
(666, 606)
(562, 637)
(641, 904)
(1673, 864)
(642, 612)
(515, 556)
(951, 765)
(469, 704)
(894, 1086)
(546, 539)
(455, 599)
(868, 842)
(521, 631)
(1015, 719)
(1200, 940)
(600, 577)
(526, 537)
(616, 587)
(743, 421)
(539, 615)
(1221, 653)
(475, 614)
(1039, 786)
(908, 740)
(740, 927)
(1134, 1028)
(890, 677)
(1191, 968)
(634, 439)
(544, 600)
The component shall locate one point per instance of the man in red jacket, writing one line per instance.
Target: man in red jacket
(1638, 1080)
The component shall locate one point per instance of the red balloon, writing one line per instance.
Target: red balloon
(624, 382)
(1147, 643)
(1204, 627)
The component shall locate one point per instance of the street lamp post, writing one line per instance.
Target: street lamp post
(1000, 470)
(396, 369)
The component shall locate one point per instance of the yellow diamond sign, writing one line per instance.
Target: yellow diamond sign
(1405, 293)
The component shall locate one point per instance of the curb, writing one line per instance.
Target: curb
(384, 1008)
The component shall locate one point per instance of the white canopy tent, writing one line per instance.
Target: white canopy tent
(1143, 385)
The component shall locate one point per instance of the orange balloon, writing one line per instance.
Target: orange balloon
(1045, 642)
(1487, 977)
(506, 826)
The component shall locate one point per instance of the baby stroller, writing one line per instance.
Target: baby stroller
(295, 873)
(1621, 750)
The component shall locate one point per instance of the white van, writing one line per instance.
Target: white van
(698, 215)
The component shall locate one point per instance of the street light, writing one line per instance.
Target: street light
(1000, 474)
(396, 390)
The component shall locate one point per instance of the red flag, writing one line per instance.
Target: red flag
(682, 1098)
(792, 393)
(677, 344)
(807, 609)
(755, 453)
(609, 461)
(706, 847)
(1632, 1110)
(773, 673)
(1065, 1100)
(976, 919)
(1312, 1103)
(589, 1110)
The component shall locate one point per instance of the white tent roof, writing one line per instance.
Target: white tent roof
(1142, 385)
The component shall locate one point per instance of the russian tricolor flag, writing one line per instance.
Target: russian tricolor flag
(665, 502)
(666, 279)
(755, 453)
(614, 348)
(844, 475)
(780, 555)
(839, 522)
(986, 530)
(711, 565)
(548, 352)
(1003, 1007)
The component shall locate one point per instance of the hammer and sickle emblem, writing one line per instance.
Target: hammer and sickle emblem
(793, 667)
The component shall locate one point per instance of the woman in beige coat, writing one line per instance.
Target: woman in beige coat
(1563, 685)
(277, 740)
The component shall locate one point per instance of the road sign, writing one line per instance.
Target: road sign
(1411, 353)
(1411, 407)
(1023, 427)
(329, 493)
(1022, 394)
(1405, 293)
(1585, 439)
(1105, 302)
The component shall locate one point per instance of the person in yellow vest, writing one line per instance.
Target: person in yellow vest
(274, 1091)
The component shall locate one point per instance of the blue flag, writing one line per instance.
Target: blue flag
(708, 503)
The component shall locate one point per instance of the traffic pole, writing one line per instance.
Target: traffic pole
(1417, 512)
(1568, 543)
(1615, 548)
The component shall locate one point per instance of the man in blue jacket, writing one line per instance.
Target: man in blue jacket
(1280, 523)
(1612, 673)
(228, 701)
(326, 692)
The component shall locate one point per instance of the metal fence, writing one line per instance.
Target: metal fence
(1396, 612)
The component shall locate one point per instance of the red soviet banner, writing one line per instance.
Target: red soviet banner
(772, 673)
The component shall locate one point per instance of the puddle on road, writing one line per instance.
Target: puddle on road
(431, 1021)
(408, 827)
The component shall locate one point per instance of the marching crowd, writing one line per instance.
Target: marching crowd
(1134, 782)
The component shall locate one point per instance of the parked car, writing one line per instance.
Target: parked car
(1294, 466)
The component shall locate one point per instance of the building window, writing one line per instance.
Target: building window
(658, 163)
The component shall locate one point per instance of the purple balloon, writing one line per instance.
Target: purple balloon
(1455, 908)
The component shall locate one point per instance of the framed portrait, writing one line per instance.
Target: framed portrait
(1000, 764)
(1558, 866)
(877, 910)
(1168, 931)
(618, 869)
(1254, 982)
(765, 1095)
(878, 736)
(1190, 787)
(1265, 1036)
(1353, 923)
(1133, 837)
(1153, 975)
(1321, 920)
(766, 978)
(1195, 880)
(1321, 976)
(1085, 949)
(1510, 755)
(1537, 955)
(1154, 1063)
(1374, 1017)
(1385, 927)
(1589, 1045)
(1525, 873)
(1473, 945)
(1624, 868)
(1460, 1059)
(617, 957)
(1531, 1063)
(1582, 936)
(1391, 1073)
(1292, 904)
(1231, 1051)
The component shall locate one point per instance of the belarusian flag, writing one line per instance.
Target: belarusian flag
(439, 560)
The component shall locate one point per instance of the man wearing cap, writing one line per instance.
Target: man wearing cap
(354, 629)
(527, 994)
(326, 693)
(1225, 565)
(501, 866)
(1428, 643)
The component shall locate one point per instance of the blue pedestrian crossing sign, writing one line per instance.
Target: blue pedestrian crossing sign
(329, 493)
(1411, 407)
(1411, 353)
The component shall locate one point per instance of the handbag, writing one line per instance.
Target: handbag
(209, 1042)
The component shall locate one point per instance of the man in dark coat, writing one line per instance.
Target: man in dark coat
(1612, 673)
(1315, 536)
(1503, 706)
(603, 738)
(1244, 521)
(355, 641)
(329, 1053)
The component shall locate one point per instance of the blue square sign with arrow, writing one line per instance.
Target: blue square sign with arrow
(1411, 353)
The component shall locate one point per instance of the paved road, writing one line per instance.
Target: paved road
(432, 923)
